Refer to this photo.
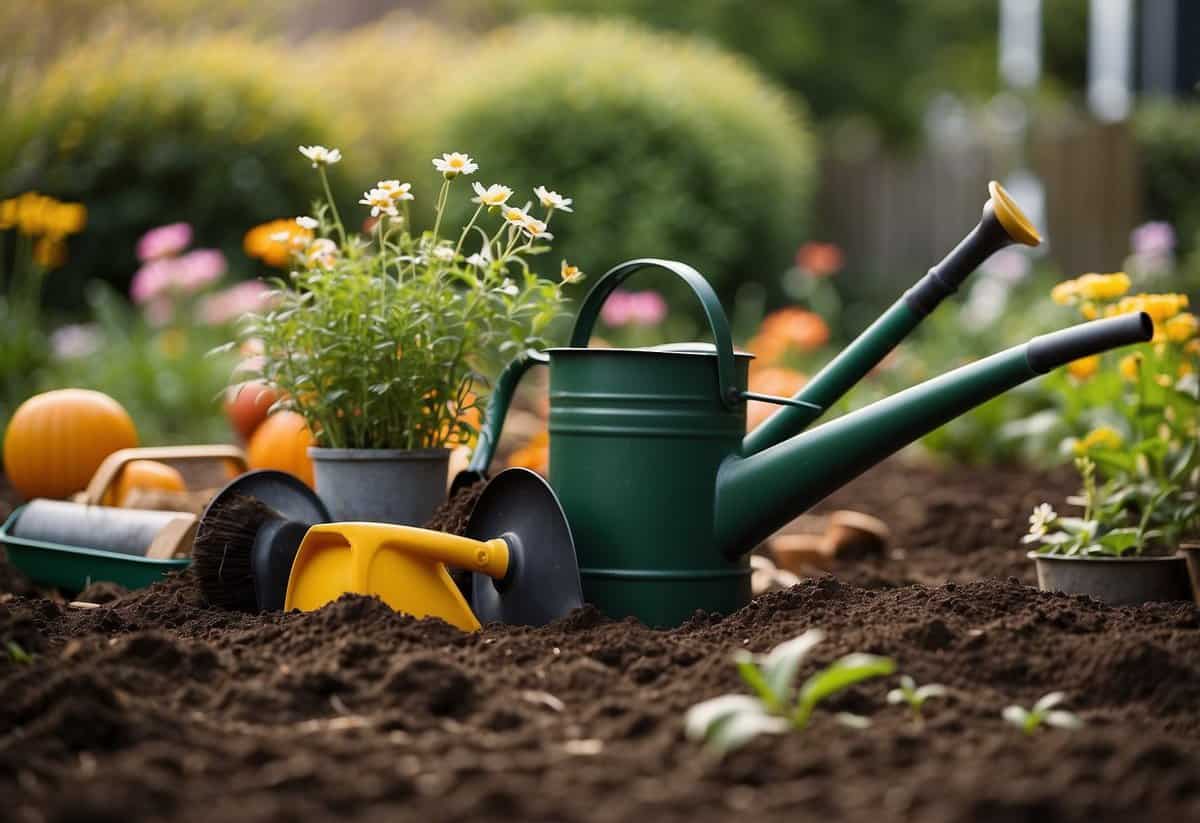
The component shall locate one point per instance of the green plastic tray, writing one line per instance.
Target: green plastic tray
(73, 568)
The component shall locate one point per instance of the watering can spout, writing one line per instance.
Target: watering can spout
(1001, 224)
(759, 493)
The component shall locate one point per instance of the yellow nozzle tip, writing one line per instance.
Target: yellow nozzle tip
(1011, 217)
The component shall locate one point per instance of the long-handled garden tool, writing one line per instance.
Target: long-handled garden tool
(69, 544)
(665, 491)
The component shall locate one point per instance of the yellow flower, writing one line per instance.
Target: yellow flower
(32, 212)
(1088, 310)
(1159, 306)
(1104, 437)
(1064, 293)
(571, 274)
(8, 214)
(49, 252)
(1130, 367)
(1102, 286)
(1181, 327)
(68, 218)
(1084, 368)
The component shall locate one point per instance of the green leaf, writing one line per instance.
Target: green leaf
(753, 677)
(843, 673)
(736, 730)
(701, 717)
(783, 662)
(1118, 540)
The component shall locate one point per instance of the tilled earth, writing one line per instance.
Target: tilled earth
(155, 706)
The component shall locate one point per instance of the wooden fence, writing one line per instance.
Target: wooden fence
(895, 215)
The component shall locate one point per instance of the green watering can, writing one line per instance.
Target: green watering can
(665, 491)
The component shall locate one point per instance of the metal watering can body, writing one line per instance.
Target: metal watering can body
(665, 492)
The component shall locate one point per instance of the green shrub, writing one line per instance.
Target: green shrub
(147, 132)
(1168, 136)
(669, 148)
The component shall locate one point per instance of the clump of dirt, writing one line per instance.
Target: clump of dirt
(156, 706)
(453, 514)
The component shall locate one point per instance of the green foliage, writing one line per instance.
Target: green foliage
(669, 148)
(1168, 136)
(730, 721)
(162, 376)
(914, 696)
(1043, 713)
(16, 654)
(145, 132)
(384, 341)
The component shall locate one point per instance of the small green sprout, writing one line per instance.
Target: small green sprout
(777, 706)
(1043, 713)
(16, 654)
(915, 696)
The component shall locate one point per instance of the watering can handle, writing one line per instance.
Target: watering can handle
(731, 395)
(497, 409)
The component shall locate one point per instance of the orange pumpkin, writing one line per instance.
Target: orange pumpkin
(143, 475)
(281, 442)
(55, 441)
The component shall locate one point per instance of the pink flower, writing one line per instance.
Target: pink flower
(165, 241)
(151, 281)
(159, 312)
(231, 303)
(1155, 239)
(75, 341)
(199, 268)
(633, 308)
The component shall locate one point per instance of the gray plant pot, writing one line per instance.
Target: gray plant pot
(1191, 553)
(381, 485)
(1118, 581)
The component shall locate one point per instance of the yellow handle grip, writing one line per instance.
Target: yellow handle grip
(488, 557)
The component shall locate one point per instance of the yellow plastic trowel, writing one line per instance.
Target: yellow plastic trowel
(519, 547)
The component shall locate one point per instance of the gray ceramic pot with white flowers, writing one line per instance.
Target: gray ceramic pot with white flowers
(401, 486)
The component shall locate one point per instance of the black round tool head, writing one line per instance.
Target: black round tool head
(290, 508)
(542, 583)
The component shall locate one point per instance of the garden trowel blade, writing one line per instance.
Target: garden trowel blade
(542, 583)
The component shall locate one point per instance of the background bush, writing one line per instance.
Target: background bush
(149, 131)
(669, 148)
(1168, 136)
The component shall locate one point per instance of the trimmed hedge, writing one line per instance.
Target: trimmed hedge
(669, 147)
(145, 132)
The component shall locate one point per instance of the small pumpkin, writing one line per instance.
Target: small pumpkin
(247, 405)
(143, 475)
(55, 441)
(281, 442)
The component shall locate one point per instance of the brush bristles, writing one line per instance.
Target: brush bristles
(222, 552)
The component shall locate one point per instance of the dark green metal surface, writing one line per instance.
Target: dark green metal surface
(73, 568)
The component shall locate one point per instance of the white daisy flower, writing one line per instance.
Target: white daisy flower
(570, 274)
(454, 164)
(1043, 515)
(322, 253)
(321, 156)
(481, 258)
(516, 217)
(380, 202)
(444, 253)
(307, 223)
(395, 189)
(493, 195)
(536, 229)
(552, 199)
(509, 288)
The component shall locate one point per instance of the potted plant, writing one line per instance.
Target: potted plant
(383, 340)
(1140, 467)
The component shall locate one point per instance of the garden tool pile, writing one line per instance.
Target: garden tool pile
(70, 544)
(262, 544)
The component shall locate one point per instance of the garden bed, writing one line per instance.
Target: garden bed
(155, 706)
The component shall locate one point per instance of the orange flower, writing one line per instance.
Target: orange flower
(788, 328)
(819, 259)
(776, 381)
(1084, 368)
(276, 242)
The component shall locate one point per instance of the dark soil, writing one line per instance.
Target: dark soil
(155, 706)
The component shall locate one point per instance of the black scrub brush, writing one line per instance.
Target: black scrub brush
(248, 537)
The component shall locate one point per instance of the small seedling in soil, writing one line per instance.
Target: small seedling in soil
(1043, 713)
(16, 654)
(777, 706)
(915, 696)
